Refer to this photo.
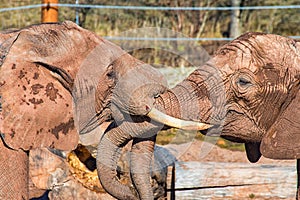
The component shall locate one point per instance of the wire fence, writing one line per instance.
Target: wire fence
(156, 8)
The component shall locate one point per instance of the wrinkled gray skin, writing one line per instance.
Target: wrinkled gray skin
(254, 95)
(261, 75)
(249, 91)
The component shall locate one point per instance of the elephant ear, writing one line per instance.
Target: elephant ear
(35, 86)
(282, 140)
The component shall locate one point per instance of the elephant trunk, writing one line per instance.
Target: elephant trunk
(109, 151)
(140, 163)
(197, 99)
(108, 154)
(175, 108)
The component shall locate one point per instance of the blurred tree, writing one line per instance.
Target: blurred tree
(235, 19)
(83, 12)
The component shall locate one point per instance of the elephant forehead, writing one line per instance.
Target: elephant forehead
(254, 51)
(233, 57)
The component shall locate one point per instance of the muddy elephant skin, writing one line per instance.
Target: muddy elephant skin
(58, 81)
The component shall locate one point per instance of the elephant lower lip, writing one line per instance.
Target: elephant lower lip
(234, 139)
(212, 131)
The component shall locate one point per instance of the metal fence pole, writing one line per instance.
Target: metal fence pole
(49, 12)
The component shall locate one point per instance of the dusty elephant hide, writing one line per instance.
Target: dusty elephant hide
(58, 81)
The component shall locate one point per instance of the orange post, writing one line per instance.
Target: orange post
(49, 12)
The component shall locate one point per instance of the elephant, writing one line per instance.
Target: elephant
(248, 92)
(263, 77)
(260, 77)
(59, 82)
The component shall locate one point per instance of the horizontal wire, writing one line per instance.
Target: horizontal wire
(165, 39)
(161, 8)
(173, 38)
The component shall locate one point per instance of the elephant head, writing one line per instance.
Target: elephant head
(261, 77)
(58, 80)
(249, 92)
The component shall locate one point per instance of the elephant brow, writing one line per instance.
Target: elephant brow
(65, 79)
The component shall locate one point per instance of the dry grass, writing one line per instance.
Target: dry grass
(176, 136)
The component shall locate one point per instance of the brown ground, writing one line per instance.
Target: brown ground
(205, 152)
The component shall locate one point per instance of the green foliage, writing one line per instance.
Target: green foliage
(251, 196)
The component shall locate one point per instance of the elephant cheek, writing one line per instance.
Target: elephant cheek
(141, 102)
(239, 128)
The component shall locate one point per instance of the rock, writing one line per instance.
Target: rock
(50, 172)
(72, 189)
(45, 170)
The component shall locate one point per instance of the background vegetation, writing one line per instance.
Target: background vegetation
(191, 23)
(197, 24)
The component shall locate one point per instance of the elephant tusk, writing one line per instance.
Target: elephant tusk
(175, 122)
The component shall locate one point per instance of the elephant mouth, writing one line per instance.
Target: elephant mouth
(234, 139)
(214, 130)
(237, 126)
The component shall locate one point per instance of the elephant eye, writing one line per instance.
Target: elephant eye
(110, 72)
(243, 82)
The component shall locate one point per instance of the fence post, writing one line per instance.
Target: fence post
(49, 12)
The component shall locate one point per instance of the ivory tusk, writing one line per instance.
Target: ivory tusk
(175, 122)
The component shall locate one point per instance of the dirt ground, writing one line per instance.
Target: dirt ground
(206, 153)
